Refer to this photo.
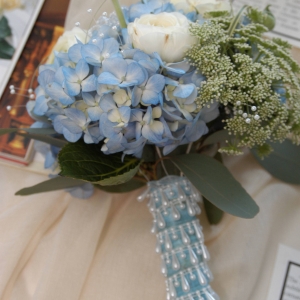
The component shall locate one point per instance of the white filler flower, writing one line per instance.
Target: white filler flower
(165, 33)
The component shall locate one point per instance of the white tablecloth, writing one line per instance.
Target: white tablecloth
(53, 247)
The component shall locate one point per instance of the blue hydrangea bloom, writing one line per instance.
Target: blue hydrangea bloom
(104, 91)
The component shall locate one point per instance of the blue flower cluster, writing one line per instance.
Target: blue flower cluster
(155, 7)
(104, 90)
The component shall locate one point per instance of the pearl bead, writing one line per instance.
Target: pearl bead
(245, 115)
(248, 120)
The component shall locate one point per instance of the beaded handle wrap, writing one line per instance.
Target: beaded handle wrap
(173, 204)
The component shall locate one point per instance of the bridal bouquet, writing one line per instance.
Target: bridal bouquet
(155, 92)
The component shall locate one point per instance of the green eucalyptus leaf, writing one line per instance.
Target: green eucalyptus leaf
(6, 50)
(57, 183)
(38, 134)
(217, 137)
(213, 213)
(44, 138)
(46, 131)
(131, 185)
(283, 162)
(87, 162)
(5, 30)
(216, 184)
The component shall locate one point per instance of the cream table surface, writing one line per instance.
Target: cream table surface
(53, 247)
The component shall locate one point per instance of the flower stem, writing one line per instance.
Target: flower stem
(161, 160)
(236, 20)
(119, 13)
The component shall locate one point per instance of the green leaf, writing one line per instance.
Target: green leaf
(6, 50)
(39, 134)
(57, 183)
(44, 138)
(217, 137)
(131, 185)
(89, 163)
(283, 162)
(5, 30)
(213, 213)
(46, 131)
(217, 184)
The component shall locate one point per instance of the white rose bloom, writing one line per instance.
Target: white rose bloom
(67, 40)
(165, 33)
(202, 6)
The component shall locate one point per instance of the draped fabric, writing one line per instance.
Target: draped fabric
(54, 247)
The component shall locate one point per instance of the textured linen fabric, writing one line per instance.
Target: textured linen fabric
(54, 247)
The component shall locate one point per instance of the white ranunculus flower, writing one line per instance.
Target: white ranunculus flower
(67, 40)
(201, 6)
(165, 33)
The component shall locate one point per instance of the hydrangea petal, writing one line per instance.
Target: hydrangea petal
(58, 126)
(135, 74)
(150, 135)
(88, 99)
(108, 78)
(76, 115)
(156, 83)
(136, 96)
(136, 115)
(70, 74)
(82, 69)
(71, 137)
(184, 90)
(89, 84)
(72, 88)
(150, 97)
(91, 54)
(41, 105)
(148, 115)
(94, 113)
(125, 112)
(75, 53)
(110, 46)
(56, 92)
(71, 126)
(115, 66)
(46, 77)
(107, 103)
(157, 127)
